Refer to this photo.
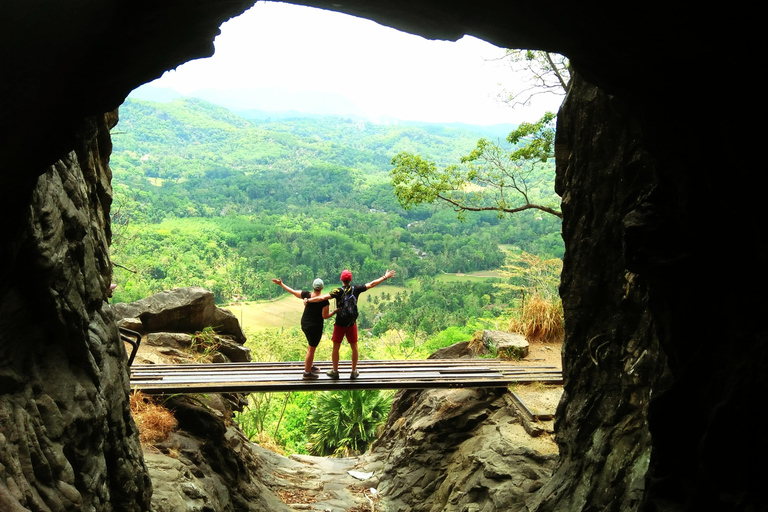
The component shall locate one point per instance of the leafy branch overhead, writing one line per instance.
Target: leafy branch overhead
(543, 72)
(491, 177)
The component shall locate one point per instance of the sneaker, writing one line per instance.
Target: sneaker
(354, 374)
(332, 374)
(314, 369)
(310, 376)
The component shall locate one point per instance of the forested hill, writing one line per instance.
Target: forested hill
(192, 144)
(206, 197)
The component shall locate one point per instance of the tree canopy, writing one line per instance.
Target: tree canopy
(204, 197)
(509, 177)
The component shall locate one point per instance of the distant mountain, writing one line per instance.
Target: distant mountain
(274, 103)
(493, 131)
(158, 94)
(278, 102)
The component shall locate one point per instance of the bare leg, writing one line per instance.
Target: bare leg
(309, 359)
(354, 356)
(335, 356)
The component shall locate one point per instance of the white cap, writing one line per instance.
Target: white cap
(318, 284)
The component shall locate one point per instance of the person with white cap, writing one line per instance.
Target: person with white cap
(346, 319)
(311, 322)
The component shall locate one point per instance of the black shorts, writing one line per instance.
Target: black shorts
(313, 335)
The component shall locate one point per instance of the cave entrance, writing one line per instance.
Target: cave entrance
(311, 191)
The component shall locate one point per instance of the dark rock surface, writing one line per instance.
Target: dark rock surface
(456, 450)
(67, 440)
(663, 225)
(207, 464)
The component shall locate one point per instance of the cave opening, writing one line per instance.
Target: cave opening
(159, 176)
(194, 79)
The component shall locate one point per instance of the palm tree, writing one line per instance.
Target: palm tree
(345, 422)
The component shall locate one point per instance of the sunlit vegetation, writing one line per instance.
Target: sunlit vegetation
(539, 319)
(540, 313)
(344, 423)
(206, 198)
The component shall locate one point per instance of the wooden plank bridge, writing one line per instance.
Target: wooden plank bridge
(287, 376)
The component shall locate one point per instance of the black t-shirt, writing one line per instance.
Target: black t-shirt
(313, 312)
(338, 293)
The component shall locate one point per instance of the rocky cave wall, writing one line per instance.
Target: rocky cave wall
(67, 440)
(663, 225)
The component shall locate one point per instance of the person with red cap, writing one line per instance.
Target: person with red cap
(346, 317)
(311, 322)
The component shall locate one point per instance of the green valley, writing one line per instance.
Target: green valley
(204, 197)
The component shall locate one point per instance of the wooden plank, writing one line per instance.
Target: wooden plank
(380, 374)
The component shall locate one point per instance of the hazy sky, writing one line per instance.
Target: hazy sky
(384, 71)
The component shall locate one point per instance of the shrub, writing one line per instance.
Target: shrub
(346, 422)
(539, 319)
(205, 343)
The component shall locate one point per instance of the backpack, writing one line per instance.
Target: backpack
(347, 313)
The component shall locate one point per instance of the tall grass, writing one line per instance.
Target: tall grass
(539, 319)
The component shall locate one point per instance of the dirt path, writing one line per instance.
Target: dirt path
(304, 482)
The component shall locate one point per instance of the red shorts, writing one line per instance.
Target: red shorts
(340, 332)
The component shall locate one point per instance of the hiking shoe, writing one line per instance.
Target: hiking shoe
(332, 374)
(354, 374)
(310, 376)
(314, 369)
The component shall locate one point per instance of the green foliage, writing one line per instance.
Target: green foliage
(437, 306)
(345, 422)
(534, 141)
(489, 178)
(205, 343)
(204, 197)
(277, 416)
(493, 177)
(209, 199)
(534, 275)
(543, 72)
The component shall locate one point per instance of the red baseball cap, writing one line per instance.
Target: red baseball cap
(346, 275)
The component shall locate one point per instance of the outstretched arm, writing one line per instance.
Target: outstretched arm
(376, 282)
(287, 288)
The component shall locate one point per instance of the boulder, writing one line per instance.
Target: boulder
(181, 310)
(458, 449)
(169, 339)
(225, 345)
(508, 344)
(133, 324)
(459, 350)
(233, 351)
(208, 464)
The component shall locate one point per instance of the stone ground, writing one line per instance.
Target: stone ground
(538, 397)
(304, 482)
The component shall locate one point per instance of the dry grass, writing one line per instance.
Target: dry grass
(476, 345)
(266, 441)
(154, 421)
(539, 320)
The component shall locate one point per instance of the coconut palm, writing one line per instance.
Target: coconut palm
(345, 422)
